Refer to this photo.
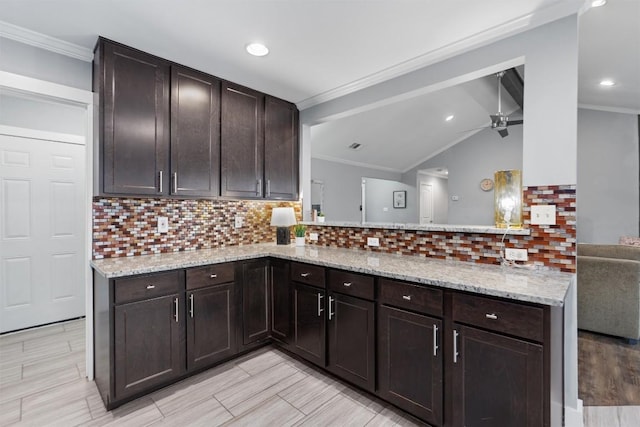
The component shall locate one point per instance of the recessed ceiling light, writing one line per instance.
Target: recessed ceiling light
(598, 3)
(449, 118)
(607, 83)
(257, 49)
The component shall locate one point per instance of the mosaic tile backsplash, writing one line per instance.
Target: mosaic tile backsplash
(127, 227)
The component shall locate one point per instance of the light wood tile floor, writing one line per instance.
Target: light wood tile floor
(42, 383)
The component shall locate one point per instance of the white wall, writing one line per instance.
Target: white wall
(30, 61)
(379, 201)
(469, 162)
(607, 190)
(550, 55)
(342, 187)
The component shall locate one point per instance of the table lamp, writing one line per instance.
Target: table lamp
(283, 218)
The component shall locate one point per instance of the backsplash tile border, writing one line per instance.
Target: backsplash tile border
(127, 227)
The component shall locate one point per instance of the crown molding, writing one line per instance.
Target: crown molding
(42, 41)
(475, 41)
(610, 109)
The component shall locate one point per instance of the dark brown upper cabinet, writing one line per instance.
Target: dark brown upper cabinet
(134, 120)
(242, 142)
(280, 149)
(195, 133)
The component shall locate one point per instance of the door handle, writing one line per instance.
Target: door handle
(191, 305)
(175, 301)
(435, 340)
(331, 314)
(320, 309)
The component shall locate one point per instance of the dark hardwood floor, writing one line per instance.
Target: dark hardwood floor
(608, 370)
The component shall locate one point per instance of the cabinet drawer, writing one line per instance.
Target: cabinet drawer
(210, 275)
(501, 316)
(306, 273)
(354, 284)
(411, 297)
(149, 286)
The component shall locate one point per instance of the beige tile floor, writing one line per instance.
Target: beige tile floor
(42, 383)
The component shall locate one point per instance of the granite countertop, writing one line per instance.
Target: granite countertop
(452, 228)
(537, 286)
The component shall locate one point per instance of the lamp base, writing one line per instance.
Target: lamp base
(283, 236)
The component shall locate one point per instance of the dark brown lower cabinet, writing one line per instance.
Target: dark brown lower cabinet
(497, 380)
(255, 301)
(211, 333)
(281, 293)
(352, 354)
(148, 344)
(410, 362)
(309, 323)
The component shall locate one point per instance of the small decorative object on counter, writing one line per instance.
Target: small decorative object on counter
(299, 230)
(320, 217)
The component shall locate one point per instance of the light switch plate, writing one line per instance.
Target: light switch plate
(543, 214)
(163, 224)
(313, 237)
(239, 221)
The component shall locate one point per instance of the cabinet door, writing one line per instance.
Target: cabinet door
(281, 150)
(352, 340)
(496, 378)
(135, 122)
(410, 362)
(309, 323)
(242, 142)
(255, 301)
(195, 133)
(210, 325)
(149, 344)
(281, 301)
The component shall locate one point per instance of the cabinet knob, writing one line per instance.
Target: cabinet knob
(406, 297)
(491, 316)
(151, 286)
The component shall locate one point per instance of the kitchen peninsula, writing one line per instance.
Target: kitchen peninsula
(446, 341)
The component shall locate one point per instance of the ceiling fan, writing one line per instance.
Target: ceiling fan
(500, 121)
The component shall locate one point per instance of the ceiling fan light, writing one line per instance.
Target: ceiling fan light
(257, 49)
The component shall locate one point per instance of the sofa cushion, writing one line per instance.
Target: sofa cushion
(609, 251)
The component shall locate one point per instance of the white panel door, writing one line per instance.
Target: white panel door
(42, 226)
(426, 203)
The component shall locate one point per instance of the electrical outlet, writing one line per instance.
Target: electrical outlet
(313, 237)
(373, 241)
(455, 198)
(543, 214)
(516, 254)
(239, 221)
(163, 224)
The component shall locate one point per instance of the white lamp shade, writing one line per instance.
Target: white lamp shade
(283, 217)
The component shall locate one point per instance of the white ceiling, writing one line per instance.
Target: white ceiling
(321, 49)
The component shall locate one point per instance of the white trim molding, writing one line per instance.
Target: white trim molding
(43, 41)
(622, 110)
(24, 84)
(42, 135)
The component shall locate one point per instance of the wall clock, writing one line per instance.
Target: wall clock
(486, 184)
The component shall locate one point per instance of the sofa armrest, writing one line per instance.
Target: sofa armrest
(609, 296)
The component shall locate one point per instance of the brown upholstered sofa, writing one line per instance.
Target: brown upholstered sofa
(609, 289)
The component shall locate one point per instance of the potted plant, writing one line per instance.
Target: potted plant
(320, 217)
(299, 230)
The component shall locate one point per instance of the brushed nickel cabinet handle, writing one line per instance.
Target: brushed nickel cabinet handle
(175, 301)
(191, 305)
(331, 314)
(435, 340)
(175, 182)
(455, 346)
(259, 188)
(305, 274)
(320, 309)
(213, 276)
(268, 188)
(151, 286)
(491, 316)
(406, 297)
(160, 182)
(347, 284)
